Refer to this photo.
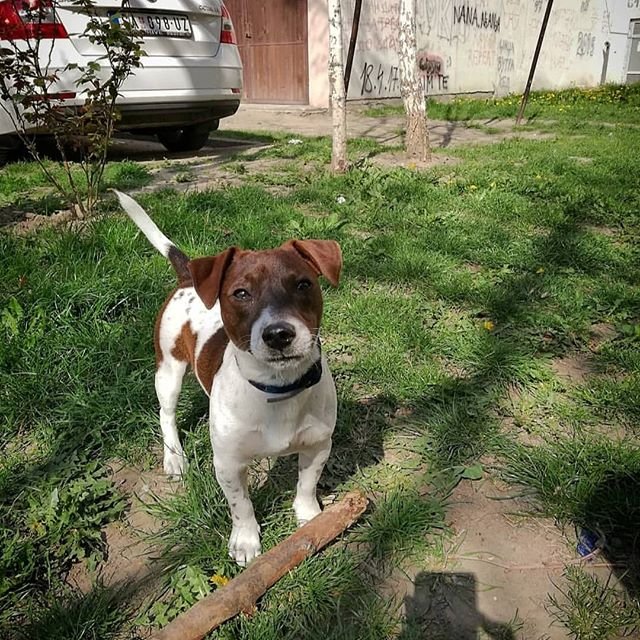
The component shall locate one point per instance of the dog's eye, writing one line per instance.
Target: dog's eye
(241, 294)
(303, 285)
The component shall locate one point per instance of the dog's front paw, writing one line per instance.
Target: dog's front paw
(175, 464)
(305, 510)
(244, 543)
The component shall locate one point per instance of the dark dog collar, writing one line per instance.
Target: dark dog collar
(284, 392)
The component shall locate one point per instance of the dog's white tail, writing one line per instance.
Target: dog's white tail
(149, 228)
(145, 223)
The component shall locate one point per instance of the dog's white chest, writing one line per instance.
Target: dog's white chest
(277, 439)
(242, 420)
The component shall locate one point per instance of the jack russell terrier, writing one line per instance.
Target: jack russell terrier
(247, 323)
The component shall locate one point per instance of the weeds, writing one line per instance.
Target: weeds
(51, 517)
(591, 610)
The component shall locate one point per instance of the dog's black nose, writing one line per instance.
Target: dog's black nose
(279, 335)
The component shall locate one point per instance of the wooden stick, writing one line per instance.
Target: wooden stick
(242, 593)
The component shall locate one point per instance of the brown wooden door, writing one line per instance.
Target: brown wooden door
(272, 38)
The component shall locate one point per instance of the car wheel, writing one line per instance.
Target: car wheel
(189, 138)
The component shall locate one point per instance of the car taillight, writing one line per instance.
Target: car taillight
(228, 34)
(24, 19)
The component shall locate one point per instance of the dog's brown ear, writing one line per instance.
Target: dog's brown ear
(324, 255)
(207, 275)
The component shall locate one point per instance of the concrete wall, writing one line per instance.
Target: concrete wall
(318, 52)
(487, 45)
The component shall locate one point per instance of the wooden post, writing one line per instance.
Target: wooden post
(534, 62)
(242, 593)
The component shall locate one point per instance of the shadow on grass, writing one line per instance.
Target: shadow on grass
(445, 606)
(18, 211)
(460, 414)
(613, 510)
(100, 614)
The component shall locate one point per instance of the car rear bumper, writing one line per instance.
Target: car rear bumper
(174, 114)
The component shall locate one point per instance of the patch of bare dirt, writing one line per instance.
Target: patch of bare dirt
(499, 568)
(183, 174)
(575, 368)
(601, 333)
(473, 267)
(399, 159)
(23, 223)
(608, 232)
(387, 129)
(581, 159)
(522, 434)
(129, 557)
(452, 368)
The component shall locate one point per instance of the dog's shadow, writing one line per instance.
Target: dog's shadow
(357, 443)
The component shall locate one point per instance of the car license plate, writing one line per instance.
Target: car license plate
(160, 24)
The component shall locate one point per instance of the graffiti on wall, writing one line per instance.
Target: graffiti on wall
(379, 26)
(478, 45)
(505, 66)
(469, 15)
(586, 44)
(379, 80)
(432, 73)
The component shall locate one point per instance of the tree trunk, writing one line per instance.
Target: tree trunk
(336, 84)
(417, 135)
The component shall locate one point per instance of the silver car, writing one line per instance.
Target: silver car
(191, 75)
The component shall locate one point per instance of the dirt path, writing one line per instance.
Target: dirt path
(384, 129)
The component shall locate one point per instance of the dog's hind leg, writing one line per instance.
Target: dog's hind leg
(168, 384)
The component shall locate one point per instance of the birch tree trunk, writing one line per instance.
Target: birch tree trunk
(417, 136)
(336, 84)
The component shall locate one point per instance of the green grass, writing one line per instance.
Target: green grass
(102, 614)
(591, 610)
(23, 185)
(608, 103)
(462, 286)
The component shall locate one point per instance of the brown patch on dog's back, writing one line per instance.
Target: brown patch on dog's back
(156, 330)
(210, 359)
(184, 347)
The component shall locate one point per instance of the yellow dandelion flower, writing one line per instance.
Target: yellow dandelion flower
(219, 580)
(488, 325)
